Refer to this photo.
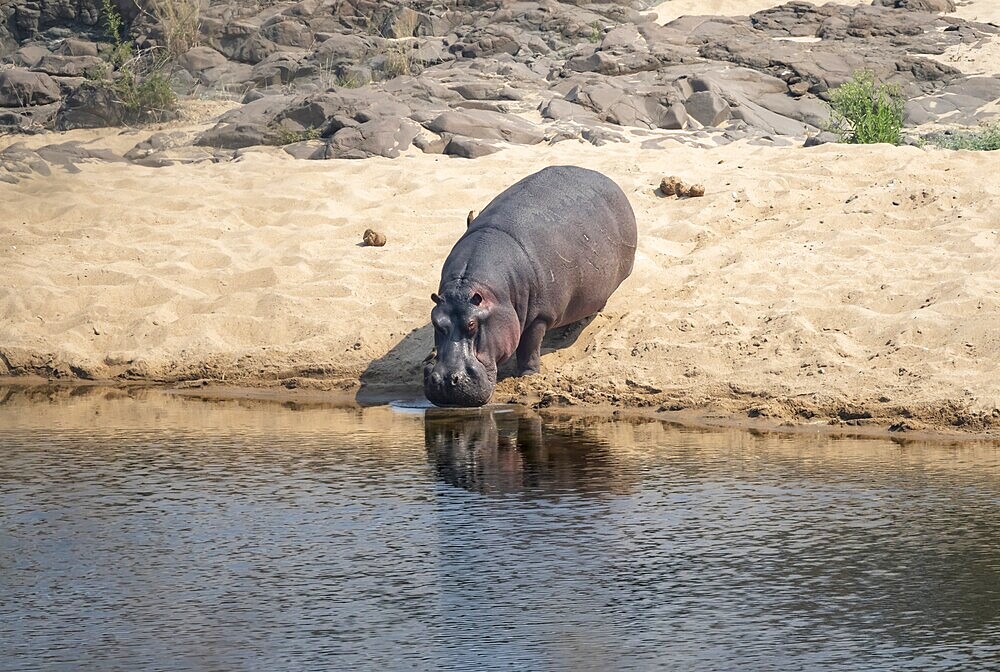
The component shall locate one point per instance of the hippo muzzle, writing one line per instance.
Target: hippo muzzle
(462, 381)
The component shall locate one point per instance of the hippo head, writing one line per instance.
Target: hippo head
(472, 333)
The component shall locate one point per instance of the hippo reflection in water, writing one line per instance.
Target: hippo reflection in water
(497, 452)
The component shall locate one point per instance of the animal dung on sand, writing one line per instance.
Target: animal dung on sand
(373, 238)
(672, 186)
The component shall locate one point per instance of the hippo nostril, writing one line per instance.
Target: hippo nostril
(455, 378)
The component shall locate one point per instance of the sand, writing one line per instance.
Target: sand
(830, 284)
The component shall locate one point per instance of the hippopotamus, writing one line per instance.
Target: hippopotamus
(548, 251)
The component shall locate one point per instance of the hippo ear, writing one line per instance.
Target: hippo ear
(435, 298)
(476, 299)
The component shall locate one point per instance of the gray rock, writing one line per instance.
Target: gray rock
(598, 136)
(401, 22)
(281, 68)
(385, 136)
(918, 5)
(72, 46)
(199, 59)
(228, 76)
(487, 125)
(430, 143)
(173, 156)
(343, 49)
(90, 106)
(246, 126)
(69, 66)
(707, 108)
(243, 42)
(21, 88)
(469, 148)
(658, 107)
(333, 110)
(307, 149)
(486, 90)
(288, 33)
(155, 143)
(17, 161)
(30, 55)
(68, 154)
(820, 138)
(559, 109)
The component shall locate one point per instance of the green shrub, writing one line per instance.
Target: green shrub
(138, 81)
(594, 34)
(985, 139)
(397, 61)
(146, 97)
(865, 111)
(348, 81)
(287, 136)
(121, 50)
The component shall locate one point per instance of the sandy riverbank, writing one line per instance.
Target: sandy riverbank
(826, 284)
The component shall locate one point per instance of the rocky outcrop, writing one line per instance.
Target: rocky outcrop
(358, 78)
(21, 88)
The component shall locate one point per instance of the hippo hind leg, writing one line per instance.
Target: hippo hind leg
(529, 350)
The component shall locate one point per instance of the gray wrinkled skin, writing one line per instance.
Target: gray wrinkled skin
(547, 252)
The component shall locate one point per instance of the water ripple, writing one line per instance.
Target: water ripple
(263, 538)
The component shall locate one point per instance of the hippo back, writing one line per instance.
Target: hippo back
(576, 230)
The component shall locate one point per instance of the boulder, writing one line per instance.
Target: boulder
(155, 143)
(402, 21)
(469, 148)
(69, 66)
(343, 49)
(73, 46)
(246, 126)
(485, 125)
(243, 42)
(199, 59)
(29, 56)
(288, 33)
(90, 106)
(707, 108)
(934, 6)
(307, 149)
(386, 136)
(68, 154)
(173, 156)
(656, 107)
(280, 68)
(21, 88)
(335, 109)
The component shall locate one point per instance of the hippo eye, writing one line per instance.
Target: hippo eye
(472, 325)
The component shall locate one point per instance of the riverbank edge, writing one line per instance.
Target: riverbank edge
(547, 404)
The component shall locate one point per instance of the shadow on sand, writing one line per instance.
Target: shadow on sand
(400, 372)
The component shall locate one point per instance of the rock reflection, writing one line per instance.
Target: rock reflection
(509, 450)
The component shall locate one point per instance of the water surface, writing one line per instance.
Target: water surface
(151, 532)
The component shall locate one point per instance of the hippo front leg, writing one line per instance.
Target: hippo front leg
(529, 350)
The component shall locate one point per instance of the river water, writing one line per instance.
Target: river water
(146, 531)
